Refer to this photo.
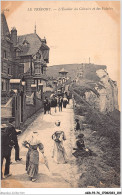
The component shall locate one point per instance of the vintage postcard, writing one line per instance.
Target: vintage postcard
(60, 97)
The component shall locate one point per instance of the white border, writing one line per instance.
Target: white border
(33, 191)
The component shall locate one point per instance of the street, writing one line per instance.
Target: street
(60, 175)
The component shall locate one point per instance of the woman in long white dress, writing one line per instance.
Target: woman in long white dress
(59, 153)
(32, 157)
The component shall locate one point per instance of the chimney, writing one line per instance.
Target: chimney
(14, 36)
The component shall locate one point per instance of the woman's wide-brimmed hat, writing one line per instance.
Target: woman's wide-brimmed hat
(80, 136)
(57, 123)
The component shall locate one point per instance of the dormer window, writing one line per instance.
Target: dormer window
(25, 43)
(17, 53)
(9, 70)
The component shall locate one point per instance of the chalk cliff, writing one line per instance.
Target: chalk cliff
(107, 100)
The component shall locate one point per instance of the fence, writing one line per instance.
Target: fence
(6, 110)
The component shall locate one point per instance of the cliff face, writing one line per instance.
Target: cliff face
(107, 100)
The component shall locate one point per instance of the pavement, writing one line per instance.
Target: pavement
(58, 175)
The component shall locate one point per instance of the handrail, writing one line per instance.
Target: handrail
(6, 105)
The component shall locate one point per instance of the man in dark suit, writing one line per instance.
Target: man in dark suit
(60, 103)
(14, 134)
(45, 105)
(7, 143)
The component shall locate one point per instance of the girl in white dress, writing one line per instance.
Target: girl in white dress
(59, 153)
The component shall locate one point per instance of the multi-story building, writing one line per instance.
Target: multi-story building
(10, 68)
(33, 53)
(23, 73)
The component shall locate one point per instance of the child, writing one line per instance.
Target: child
(77, 125)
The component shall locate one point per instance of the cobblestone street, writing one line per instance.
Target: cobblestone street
(60, 175)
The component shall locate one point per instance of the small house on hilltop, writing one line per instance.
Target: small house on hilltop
(63, 73)
(62, 76)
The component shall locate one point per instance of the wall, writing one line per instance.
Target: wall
(31, 109)
(6, 110)
(13, 109)
(29, 80)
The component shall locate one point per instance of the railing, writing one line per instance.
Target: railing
(6, 110)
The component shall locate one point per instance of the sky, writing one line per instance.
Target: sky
(74, 30)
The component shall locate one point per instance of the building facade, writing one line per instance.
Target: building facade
(33, 53)
(23, 73)
(10, 68)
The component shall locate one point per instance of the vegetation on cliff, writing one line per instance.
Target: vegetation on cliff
(102, 136)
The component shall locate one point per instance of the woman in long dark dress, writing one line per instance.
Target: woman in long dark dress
(32, 157)
(65, 102)
(54, 102)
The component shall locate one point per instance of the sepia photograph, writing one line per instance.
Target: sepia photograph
(60, 96)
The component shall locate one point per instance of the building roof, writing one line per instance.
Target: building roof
(30, 44)
(63, 71)
(4, 26)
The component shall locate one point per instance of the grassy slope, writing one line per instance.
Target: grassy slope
(102, 136)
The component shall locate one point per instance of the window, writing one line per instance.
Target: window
(4, 54)
(42, 69)
(1, 66)
(26, 67)
(8, 70)
(8, 54)
(17, 53)
(4, 85)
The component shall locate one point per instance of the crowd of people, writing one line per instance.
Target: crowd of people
(9, 141)
(56, 101)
